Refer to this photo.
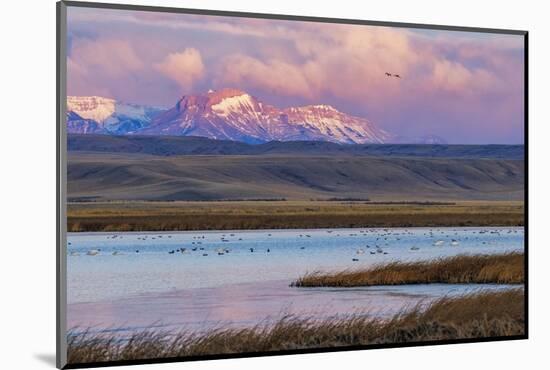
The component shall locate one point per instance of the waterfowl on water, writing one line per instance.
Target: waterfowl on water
(93, 252)
(355, 259)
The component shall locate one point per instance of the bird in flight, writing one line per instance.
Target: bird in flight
(388, 74)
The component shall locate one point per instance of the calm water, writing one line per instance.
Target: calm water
(242, 277)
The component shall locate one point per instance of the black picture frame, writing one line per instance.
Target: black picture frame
(61, 188)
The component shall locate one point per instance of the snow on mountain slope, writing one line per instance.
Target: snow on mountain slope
(109, 115)
(91, 107)
(79, 125)
(325, 121)
(232, 114)
(226, 114)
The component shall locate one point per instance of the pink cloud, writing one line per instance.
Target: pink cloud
(454, 77)
(185, 67)
(338, 60)
(114, 57)
(350, 62)
(276, 76)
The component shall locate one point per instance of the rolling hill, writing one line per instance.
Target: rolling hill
(189, 145)
(134, 176)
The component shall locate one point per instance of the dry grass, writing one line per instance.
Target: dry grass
(498, 269)
(238, 215)
(489, 314)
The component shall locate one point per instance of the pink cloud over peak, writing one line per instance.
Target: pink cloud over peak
(454, 84)
(185, 67)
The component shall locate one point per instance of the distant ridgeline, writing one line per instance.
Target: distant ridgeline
(191, 145)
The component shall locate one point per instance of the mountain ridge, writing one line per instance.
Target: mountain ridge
(226, 114)
(99, 115)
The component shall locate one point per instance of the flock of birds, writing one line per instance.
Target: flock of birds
(382, 240)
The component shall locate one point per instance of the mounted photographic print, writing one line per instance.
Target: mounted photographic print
(239, 184)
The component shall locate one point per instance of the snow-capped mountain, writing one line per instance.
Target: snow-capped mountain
(323, 121)
(94, 114)
(232, 114)
(226, 114)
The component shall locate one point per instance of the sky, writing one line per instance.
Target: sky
(464, 87)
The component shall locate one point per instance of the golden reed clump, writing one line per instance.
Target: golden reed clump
(463, 269)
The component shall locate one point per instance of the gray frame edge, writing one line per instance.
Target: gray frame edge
(61, 187)
(288, 17)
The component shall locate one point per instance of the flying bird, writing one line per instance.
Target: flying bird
(388, 74)
(398, 76)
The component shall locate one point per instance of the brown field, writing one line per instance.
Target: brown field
(463, 269)
(234, 215)
(481, 315)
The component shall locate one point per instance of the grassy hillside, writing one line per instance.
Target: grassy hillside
(124, 176)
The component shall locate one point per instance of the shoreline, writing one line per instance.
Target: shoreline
(284, 215)
(476, 315)
(167, 232)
